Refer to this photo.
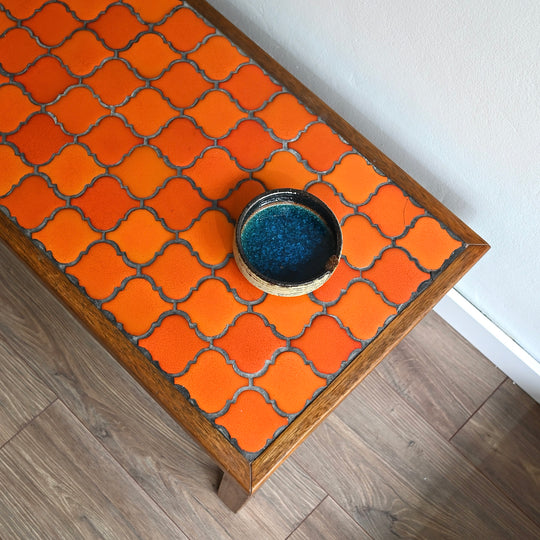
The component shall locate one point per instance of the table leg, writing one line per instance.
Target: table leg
(232, 493)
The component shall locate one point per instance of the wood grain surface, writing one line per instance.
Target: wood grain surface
(73, 489)
(428, 373)
(393, 472)
(251, 476)
(378, 464)
(494, 439)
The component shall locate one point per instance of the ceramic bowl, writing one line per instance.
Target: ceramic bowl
(287, 242)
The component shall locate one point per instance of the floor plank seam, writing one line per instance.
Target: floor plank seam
(299, 465)
(307, 517)
(26, 424)
(476, 410)
(499, 489)
(121, 466)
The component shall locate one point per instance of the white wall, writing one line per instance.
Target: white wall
(448, 89)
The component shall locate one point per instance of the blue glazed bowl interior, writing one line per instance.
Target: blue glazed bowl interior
(288, 237)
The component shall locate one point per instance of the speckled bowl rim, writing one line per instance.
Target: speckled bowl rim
(280, 196)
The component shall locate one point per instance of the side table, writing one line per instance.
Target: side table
(132, 135)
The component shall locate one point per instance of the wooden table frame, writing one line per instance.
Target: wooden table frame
(242, 478)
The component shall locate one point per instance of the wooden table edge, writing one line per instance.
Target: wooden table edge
(285, 444)
(250, 476)
(127, 354)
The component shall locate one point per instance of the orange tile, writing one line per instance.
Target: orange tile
(363, 323)
(105, 202)
(182, 84)
(250, 144)
(52, 24)
(184, 29)
(250, 86)
(193, 142)
(250, 343)
(143, 171)
(12, 170)
(215, 173)
(211, 237)
(46, 79)
(354, 178)
(147, 112)
(117, 26)
(326, 344)
(429, 243)
(218, 58)
(137, 306)
(154, 11)
(244, 289)
(39, 139)
(284, 170)
(22, 10)
(173, 344)
(66, 235)
(140, 236)
(178, 203)
(288, 315)
(211, 307)
(78, 110)
(320, 147)
(87, 10)
(17, 49)
(391, 210)
(216, 114)
(101, 270)
(32, 201)
(15, 107)
(238, 199)
(290, 382)
(361, 241)
(337, 284)
(5, 22)
(396, 276)
(82, 52)
(211, 382)
(150, 55)
(251, 421)
(176, 271)
(286, 116)
(113, 82)
(331, 198)
(110, 140)
(72, 169)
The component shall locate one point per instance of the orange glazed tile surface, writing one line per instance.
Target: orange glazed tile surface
(132, 136)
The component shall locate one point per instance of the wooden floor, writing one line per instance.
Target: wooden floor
(436, 443)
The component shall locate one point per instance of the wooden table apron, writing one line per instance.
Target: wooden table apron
(251, 474)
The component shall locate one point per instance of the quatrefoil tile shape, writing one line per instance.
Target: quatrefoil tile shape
(132, 136)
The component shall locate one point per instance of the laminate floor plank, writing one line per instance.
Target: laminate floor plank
(396, 476)
(440, 374)
(58, 482)
(138, 433)
(503, 440)
(331, 522)
(23, 395)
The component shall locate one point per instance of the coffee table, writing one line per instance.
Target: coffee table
(133, 135)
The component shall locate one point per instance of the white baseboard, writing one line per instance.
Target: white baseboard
(492, 342)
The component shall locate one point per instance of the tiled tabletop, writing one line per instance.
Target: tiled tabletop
(132, 136)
